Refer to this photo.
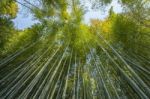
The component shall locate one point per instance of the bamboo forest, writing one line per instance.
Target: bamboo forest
(61, 56)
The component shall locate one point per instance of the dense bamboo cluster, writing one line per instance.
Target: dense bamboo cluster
(62, 58)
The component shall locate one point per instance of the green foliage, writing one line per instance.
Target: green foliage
(5, 24)
(20, 39)
(125, 31)
(8, 11)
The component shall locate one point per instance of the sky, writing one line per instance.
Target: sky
(25, 19)
(102, 14)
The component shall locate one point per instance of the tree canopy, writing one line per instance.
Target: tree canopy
(61, 57)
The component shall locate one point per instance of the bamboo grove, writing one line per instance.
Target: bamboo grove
(61, 57)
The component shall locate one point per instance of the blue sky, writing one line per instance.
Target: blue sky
(24, 20)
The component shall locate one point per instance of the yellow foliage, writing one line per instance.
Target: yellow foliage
(104, 27)
(9, 8)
